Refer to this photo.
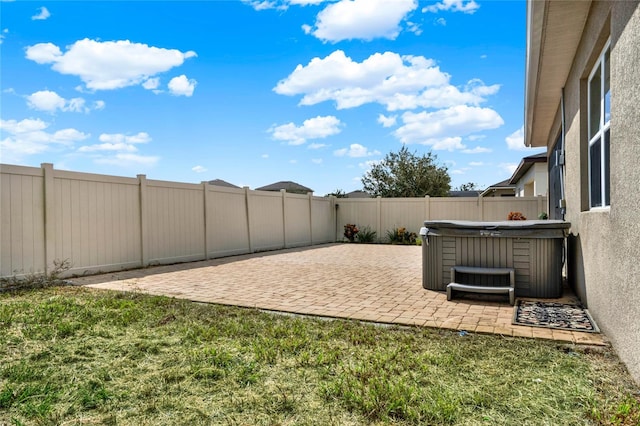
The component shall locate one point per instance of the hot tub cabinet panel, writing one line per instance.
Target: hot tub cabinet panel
(533, 248)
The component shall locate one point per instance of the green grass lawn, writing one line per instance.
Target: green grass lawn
(80, 356)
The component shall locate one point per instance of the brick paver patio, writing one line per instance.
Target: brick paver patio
(380, 283)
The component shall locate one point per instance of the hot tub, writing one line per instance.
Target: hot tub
(534, 248)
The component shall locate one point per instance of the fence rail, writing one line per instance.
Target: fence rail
(105, 223)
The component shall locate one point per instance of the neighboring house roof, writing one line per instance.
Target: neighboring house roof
(555, 29)
(464, 193)
(220, 182)
(525, 165)
(503, 186)
(287, 185)
(358, 193)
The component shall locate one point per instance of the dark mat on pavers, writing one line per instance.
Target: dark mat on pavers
(561, 316)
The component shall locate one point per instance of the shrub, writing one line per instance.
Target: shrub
(543, 216)
(34, 280)
(366, 235)
(401, 236)
(516, 216)
(350, 232)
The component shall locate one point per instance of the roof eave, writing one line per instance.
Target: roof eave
(554, 31)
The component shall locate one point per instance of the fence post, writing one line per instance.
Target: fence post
(427, 207)
(379, 214)
(334, 208)
(540, 205)
(49, 217)
(248, 207)
(284, 217)
(144, 231)
(310, 194)
(205, 188)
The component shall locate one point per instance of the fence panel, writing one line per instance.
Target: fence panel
(22, 237)
(361, 212)
(175, 220)
(297, 220)
(455, 208)
(227, 226)
(406, 213)
(266, 220)
(96, 221)
(322, 220)
(499, 207)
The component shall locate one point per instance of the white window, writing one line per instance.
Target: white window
(599, 122)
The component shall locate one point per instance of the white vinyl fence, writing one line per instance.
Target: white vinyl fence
(107, 223)
(386, 214)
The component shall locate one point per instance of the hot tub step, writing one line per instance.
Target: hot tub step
(481, 289)
(482, 270)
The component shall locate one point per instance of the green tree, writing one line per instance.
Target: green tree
(405, 174)
(469, 186)
(338, 193)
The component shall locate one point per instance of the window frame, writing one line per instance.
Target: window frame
(603, 128)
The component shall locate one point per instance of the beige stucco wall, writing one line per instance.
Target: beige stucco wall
(604, 248)
(538, 177)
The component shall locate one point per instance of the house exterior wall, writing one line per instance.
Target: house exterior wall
(603, 248)
(537, 178)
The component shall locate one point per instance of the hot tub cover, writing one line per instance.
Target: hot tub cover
(504, 229)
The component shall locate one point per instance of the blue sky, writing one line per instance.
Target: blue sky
(255, 92)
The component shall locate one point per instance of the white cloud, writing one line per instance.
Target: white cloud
(313, 128)
(49, 101)
(45, 100)
(182, 86)
(368, 164)
(476, 150)
(355, 150)
(280, 4)
(362, 19)
(412, 27)
(430, 127)
(515, 141)
(28, 137)
(316, 160)
(127, 160)
(108, 65)
(151, 83)
(446, 144)
(441, 21)
(108, 146)
(265, 156)
(395, 81)
(43, 13)
(476, 163)
(387, 121)
(265, 4)
(466, 6)
(140, 137)
(305, 2)
(293, 161)
(199, 169)
(3, 34)
(316, 145)
(117, 142)
(476, 137)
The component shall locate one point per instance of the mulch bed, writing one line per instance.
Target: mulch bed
(561, 316)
